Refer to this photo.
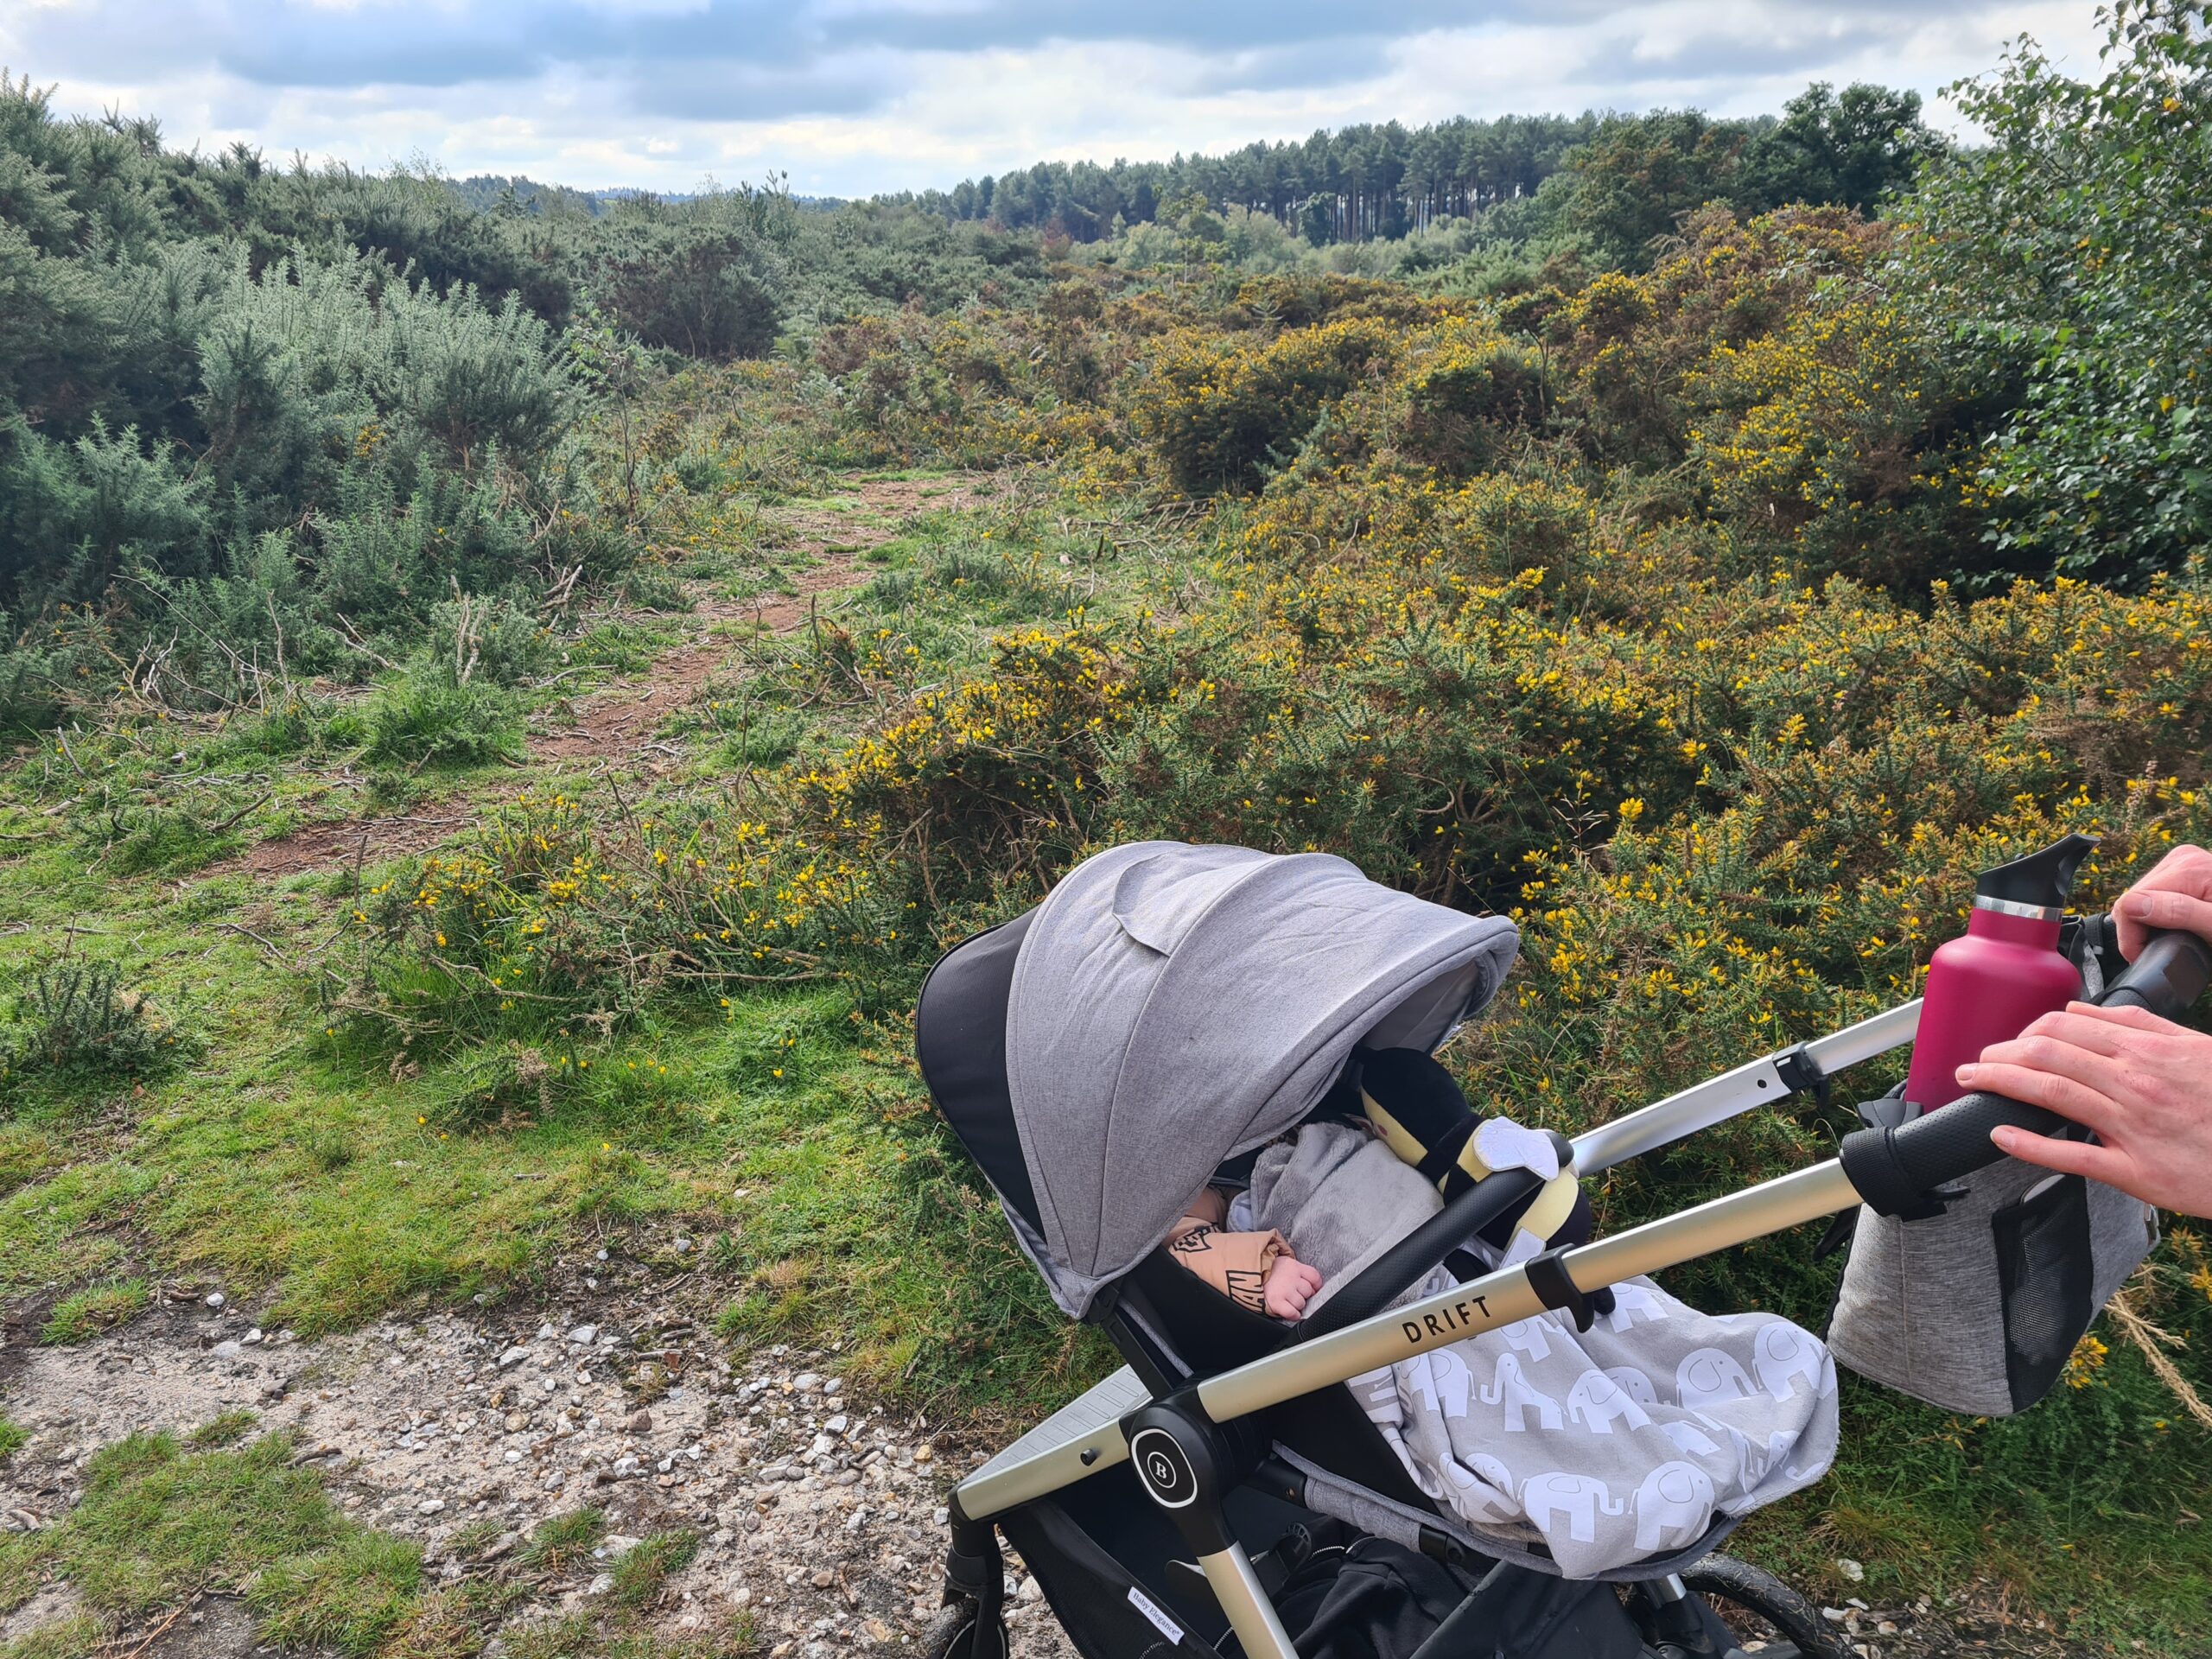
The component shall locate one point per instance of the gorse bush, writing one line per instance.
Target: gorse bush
(77, 1021)
(1218, 414)
(430, 716)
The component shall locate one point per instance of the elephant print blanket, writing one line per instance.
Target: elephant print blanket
(1607, 1446)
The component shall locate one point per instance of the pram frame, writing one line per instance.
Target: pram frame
(1185, 1468)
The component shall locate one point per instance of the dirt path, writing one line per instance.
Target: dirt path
(818, 1510)
(616, 725)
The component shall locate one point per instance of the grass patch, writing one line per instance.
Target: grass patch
(13, 1438)
(428, 718)
(642, 1575)
(347, 1598)
(86, 1313)
(225, 1428)
(561, 1542)
(158, 1523)
(81, 1638)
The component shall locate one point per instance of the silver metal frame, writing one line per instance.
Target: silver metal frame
(1501, 1297)
(1757, 1083)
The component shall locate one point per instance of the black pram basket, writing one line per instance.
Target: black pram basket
(1222, 1493)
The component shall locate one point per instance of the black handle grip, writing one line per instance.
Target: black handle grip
(1420, 1252)
(1895, 1169)
(2168, 976)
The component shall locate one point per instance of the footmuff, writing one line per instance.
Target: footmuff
(1607, 1446)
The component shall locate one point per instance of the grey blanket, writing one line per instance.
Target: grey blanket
(1607, 1446)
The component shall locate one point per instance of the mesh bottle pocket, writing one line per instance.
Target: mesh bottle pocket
(2045, 1284)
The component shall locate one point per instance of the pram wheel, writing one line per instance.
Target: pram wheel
(1755, 1605)
(953, 1635)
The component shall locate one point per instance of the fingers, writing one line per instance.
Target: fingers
(2177, 893)
(2069, 1097)
(1288, 1296)
(2077, 1025)
(2069, 1157)
(2133, 1019)
(2096, 1060)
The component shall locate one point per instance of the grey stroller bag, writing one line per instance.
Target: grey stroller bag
(1977, 1308)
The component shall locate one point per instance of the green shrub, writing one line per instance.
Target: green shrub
(429, 717)
(1219, 415)
(2050, 265)
(1469, 396)
(298, 723)
(77, 1021)
(33, 695)
(495, 640)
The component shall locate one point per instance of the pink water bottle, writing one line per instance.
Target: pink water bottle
(2007, 971)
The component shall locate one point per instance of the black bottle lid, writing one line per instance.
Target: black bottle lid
(2039, 881)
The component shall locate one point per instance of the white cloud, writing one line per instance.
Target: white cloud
(927, 92)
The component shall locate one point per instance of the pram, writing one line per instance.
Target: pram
(1222, 1488)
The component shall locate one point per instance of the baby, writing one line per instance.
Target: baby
(1406, 1099)
(1254, 1270)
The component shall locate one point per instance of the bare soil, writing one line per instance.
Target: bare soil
(618, 725)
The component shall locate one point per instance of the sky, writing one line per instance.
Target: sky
(853, 97)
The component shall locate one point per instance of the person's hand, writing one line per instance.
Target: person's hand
(2143, 1083)
(2177, 893)
(1291, 1285)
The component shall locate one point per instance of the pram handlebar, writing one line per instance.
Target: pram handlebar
(1895, 1169)
(2170, 974)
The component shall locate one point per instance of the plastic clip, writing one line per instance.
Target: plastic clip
(1801, 1073)
(1555, 1288)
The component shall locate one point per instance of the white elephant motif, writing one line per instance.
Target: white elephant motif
(1711, 1375)
(1633, 1383)
(1783, 1355)
(1673, 1507)
(1520, 1396)
(1754, 1459)
(1377, 1394)
(1483, 1488)
(1581, 1498)
(1631, 1302)
(1689, 1437)
(1529, 1336)
(1597, 1402)
(1441, 1379)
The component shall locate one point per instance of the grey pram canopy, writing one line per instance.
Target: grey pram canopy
(1173, 1005)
